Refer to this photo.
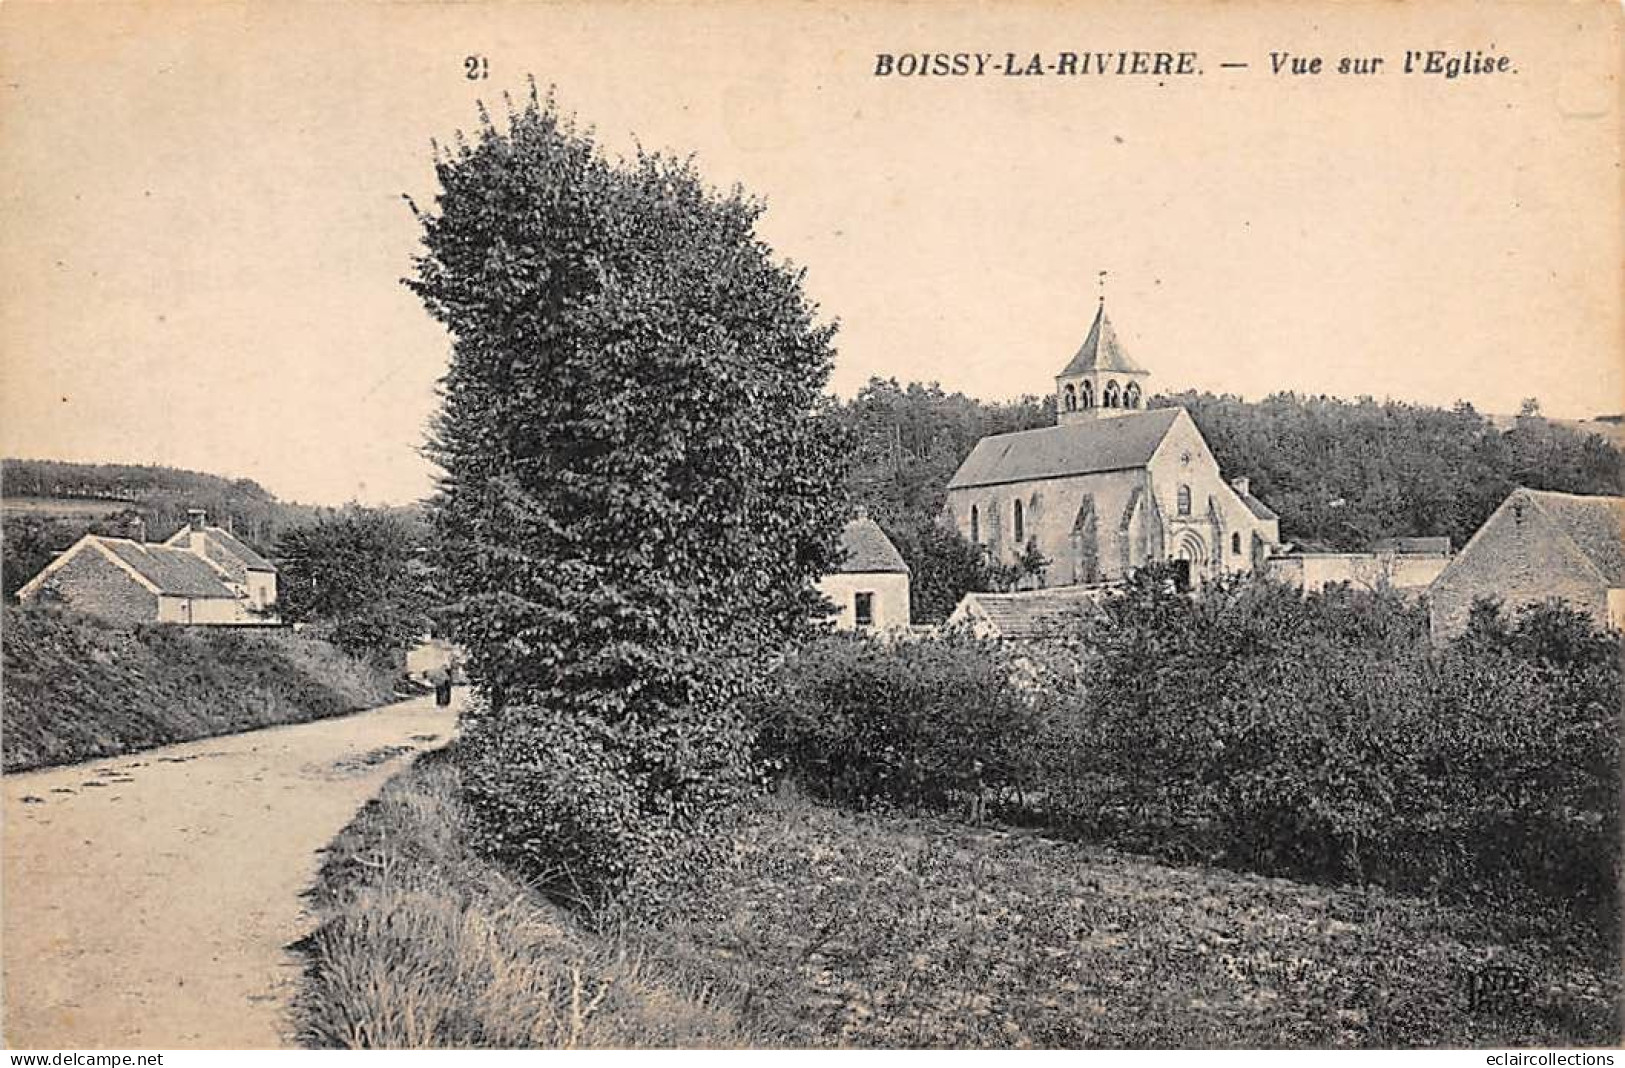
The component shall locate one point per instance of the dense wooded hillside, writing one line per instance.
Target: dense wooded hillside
(1344, 473)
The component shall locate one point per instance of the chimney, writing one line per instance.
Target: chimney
(195, 518)
(1242, 486)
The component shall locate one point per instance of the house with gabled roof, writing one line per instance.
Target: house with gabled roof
(1538, 546)
(1112, 486)
(204, 579)
(869, 589)
(245, 570)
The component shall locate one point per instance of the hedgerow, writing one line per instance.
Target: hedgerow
(1316, 737)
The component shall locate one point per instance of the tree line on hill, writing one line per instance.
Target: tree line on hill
(1340, 473)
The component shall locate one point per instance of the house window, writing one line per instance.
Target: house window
(1021, 525)
(1071, 399)
(863, 609)
(1235, 545)
(1087, 398)
(1131, 395)
(1108, 396)
(975, 525)
(1184, 500)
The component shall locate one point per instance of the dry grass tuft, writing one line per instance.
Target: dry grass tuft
(424, 945)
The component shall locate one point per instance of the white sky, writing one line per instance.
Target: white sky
(203, 231)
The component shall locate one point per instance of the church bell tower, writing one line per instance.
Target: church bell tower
(1101, 381)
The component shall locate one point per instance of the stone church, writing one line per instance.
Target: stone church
(1112, 486)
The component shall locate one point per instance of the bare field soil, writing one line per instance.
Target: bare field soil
(844, 929)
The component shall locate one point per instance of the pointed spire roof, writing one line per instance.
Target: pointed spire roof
(1101, 351)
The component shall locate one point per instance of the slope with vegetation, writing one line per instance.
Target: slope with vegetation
(77, 688)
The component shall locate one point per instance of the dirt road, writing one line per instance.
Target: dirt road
(148, 899)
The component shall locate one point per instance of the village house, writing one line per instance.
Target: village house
(870, 588)
(1112, 487)
(1538, 546)
(202, 575)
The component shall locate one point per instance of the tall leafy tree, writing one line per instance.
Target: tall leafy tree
(632, 435)
(359, 575)
(641, 481)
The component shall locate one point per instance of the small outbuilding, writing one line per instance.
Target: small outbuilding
(870, 588)
(1027, 615)
(1538, 546)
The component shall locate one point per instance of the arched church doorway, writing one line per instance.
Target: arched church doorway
(1190, 556)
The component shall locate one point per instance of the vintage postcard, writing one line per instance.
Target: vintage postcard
(787, 525)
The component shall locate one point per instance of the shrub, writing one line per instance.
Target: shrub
(595, 811)
(920, 723)
(1320, 737)
(421, 943)
(1316, 737)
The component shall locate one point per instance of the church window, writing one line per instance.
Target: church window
(1108, 396)
(975, 525)
(1235, 544)
(1070, 398)
(1087, 395)
(1131, 395)
(863, 608)
(1021, 525)
(1184, 500)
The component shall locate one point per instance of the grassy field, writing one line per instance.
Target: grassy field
(78, 688)
(65, 507)
(831, 929)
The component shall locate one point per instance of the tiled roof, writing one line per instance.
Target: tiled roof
(1101, 351)
(1263, 511)
(1031, 613)
(1596, 525)
(866, 549)
(252, 560)
(173, 571)
(1114, 444)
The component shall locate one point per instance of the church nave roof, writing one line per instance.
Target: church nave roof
(1118, 444)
